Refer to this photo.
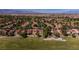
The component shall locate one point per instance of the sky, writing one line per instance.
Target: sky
(39, 11)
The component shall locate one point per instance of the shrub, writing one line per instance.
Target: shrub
(24, 35)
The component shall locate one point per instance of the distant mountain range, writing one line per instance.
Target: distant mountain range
(14, 11)
(25, 11)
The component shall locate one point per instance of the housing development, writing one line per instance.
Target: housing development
(39, 25)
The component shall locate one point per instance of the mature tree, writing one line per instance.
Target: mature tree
(46, 31)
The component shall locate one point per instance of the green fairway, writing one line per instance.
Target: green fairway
(13, 43)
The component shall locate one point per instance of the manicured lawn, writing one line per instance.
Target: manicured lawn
(13, 43)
